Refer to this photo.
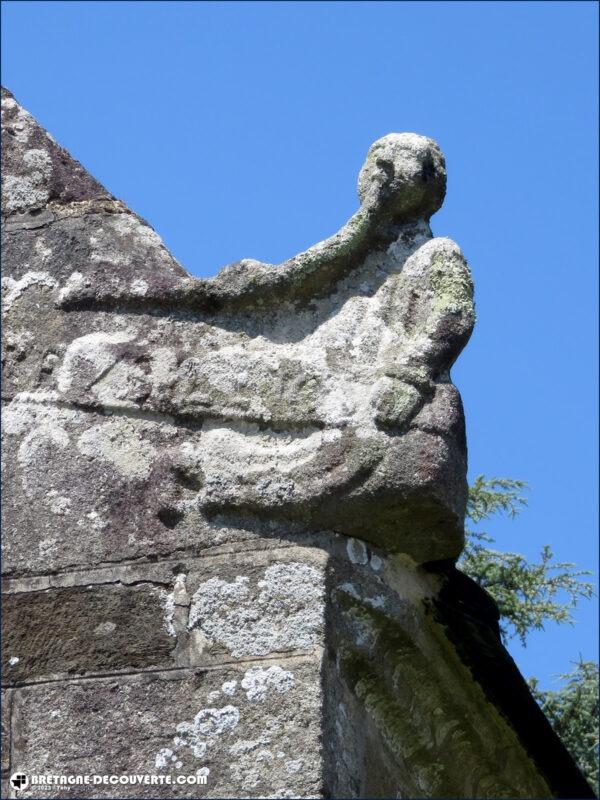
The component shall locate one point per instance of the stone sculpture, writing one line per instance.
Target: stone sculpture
(235, 504)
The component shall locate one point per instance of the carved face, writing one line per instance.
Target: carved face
(314, 393)
(404, 174)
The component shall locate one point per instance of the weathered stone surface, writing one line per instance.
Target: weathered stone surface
(174, 614)
(5, 742)
(83, 629)
(36, 171)
(396, 698)
(233, 506)
(312, 373)
(254, 731)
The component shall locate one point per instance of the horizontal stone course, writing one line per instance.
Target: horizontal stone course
(60, 632)
(129, 618)
(249, 728)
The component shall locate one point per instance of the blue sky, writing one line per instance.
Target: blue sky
(237, 130)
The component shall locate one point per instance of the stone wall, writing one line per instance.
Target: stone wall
(233, 506)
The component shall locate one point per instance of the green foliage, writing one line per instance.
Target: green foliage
(573, 712)
(489, 496)
(529, 594)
